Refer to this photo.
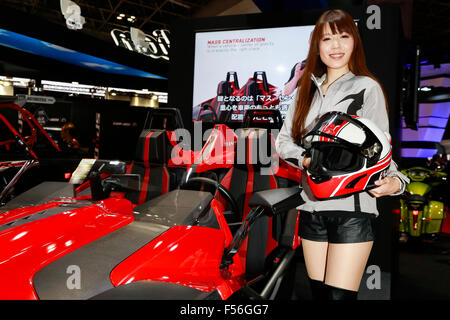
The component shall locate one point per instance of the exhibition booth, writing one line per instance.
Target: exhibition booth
(164, 205)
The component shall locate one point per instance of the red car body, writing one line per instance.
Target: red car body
(115, 243)
(28, 248)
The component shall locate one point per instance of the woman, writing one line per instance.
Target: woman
(337, 234)
(67, 135)
(69, 143)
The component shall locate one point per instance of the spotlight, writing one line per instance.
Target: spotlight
(129, 18)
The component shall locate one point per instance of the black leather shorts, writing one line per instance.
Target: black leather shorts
(337, 228)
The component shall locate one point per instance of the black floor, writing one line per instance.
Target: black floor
(423, 272)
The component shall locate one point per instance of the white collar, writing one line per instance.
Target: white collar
(318, 81)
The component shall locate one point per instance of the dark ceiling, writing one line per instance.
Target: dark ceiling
(428, 20)
(101, 15)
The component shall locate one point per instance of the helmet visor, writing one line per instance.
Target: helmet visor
(334, 157)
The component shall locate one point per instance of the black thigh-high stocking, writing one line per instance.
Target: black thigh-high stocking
(335, 293)
(319, 290)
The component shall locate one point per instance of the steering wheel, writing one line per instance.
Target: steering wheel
(218, 186)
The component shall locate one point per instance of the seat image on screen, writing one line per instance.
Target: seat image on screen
(236, 70)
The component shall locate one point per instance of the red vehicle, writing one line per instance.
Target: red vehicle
(18, 144)
(182, 244)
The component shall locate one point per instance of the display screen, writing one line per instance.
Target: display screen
(42, 48)
(235, 70)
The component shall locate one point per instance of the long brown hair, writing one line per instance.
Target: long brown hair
(339, 21)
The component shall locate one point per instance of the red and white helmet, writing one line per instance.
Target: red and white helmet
(348, 154)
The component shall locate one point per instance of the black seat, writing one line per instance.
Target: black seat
(246, 179)
(153, 152)
(164, 119)
(255, 173)
(151, 165)
(252, 171)
(210, 110)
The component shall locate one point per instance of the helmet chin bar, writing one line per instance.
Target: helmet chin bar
(319, 178)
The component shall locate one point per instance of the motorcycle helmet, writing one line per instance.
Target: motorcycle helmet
(348, 154)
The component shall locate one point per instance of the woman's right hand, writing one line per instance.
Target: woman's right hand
(305, 163)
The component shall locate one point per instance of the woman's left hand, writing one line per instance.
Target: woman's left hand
(386, 186)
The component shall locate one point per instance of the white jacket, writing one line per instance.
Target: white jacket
(351, 94)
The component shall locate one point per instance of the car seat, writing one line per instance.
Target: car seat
(253, 93)
(254, 174)
(153, 151)
(151, 165)
(210, 109)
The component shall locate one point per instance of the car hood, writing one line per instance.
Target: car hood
(78, 249)
(33, 237)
